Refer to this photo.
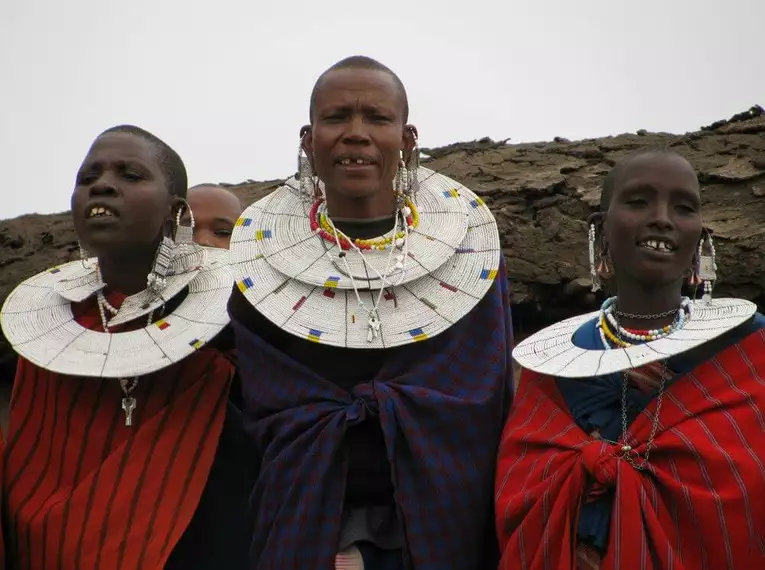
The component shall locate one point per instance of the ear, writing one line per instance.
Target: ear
(306, 140)
(597, 219)
(409, 141)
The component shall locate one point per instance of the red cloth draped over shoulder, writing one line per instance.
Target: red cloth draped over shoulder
(81, 490)
(697, 505)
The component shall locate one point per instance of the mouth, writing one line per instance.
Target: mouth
(355, 161)
(100, 212)
(659, 245)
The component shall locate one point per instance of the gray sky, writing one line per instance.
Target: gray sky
(227, 82)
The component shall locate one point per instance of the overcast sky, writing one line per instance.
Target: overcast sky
(227, 82)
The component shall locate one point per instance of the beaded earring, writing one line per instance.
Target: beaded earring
(412, 168)
(401, 184)
(593, 268)
(706, 271)
(305, 174)
(157, 278)
(184, 235)
(85, 257)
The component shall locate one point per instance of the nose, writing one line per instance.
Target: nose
(661, 216)
(104, 186)
(357, 130)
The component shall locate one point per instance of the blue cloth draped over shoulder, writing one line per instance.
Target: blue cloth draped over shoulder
(595, 404)
(441, 404)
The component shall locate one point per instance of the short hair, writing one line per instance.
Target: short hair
(169, 161)
(220, 187)
(361, 62)
(614, 178)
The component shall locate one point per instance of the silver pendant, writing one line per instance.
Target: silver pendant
(707, 268)
(128, 404)
(374, 328)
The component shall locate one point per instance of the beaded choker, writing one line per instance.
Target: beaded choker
(322, 225)
(613, 334)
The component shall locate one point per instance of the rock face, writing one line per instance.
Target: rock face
(540, 193)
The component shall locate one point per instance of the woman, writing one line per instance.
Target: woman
(125, 448)
(373, 331)
(635, 439)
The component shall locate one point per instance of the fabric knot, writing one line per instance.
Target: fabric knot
(356, 412)
(600, 460)
(363, 405)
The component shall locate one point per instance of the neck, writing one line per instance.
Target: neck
(377, 206)
(126, 274)
(641, 299)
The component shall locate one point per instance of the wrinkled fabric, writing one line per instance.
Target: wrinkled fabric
(695, 505)
(83, 491)
(441, 404)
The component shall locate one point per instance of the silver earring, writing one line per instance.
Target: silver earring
(413, 167)
(85, 257)
(707, 271)
(402, 179)
(184, 235)
(593, 265)
(157, 278)
(306, 182)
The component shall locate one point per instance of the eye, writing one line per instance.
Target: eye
(87, 176)
(636, 201)
(223, 233)
(380, 119)
(132, 175)
(686, 209)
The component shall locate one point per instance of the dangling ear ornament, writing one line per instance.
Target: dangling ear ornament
(593, 268)
(184, 235)
(707, 270)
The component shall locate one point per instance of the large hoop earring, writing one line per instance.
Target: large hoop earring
(184, 235)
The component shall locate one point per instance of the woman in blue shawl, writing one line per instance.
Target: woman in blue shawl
(374, 337)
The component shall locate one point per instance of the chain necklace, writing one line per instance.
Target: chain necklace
(128, 385)
(634, 458)
(653, 317)
(395, 263)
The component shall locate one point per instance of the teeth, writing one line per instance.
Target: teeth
(348, 161)
(99, 211)
(657, 245)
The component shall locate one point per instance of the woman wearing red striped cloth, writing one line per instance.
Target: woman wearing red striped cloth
(125, 448)
(635, 439)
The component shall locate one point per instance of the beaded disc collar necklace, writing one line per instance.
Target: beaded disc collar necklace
(552, 351)
(297, 269)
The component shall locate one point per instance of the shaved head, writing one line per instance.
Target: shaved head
(216, 210)
(365, 63)
(617, 174)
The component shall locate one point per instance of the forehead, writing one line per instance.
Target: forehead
(352, 85)
(210, 202)
(660, 171)
(123, 147)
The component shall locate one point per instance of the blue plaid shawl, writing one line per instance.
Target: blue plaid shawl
(441, 404)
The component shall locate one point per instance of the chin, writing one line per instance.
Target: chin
(357, 191)
(655, 279)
